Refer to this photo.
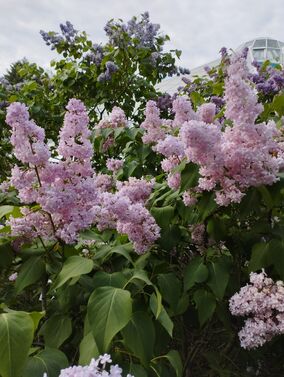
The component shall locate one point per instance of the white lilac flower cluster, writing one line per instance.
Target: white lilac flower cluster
(97, 368)
(263, 301)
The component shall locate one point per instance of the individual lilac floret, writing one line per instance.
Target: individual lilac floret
(13, 276)
(263, 301)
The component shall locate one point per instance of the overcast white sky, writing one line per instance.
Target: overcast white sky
(198, 27)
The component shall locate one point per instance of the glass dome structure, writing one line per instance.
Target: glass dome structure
(262, 49)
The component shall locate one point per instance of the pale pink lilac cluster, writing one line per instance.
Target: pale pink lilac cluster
(189, 198)
(174, 180)
(161, 134)
(117, 118)
(183, 111)
(206, 112)
(152, 124)
(232, 158)
(27, 138)
(137, 190)
(114, 164)
(125, 211)
(64, 189)
(100, 367)
(71, 196)
(263, 301)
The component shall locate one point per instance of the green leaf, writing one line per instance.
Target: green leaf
(109, 311)
(170, 288)
(16, 336)
(206, 205)
(196, 98)
(4, 210)
(31, 271)
(137, 370)
(163, 317)
(6, 255)
(189, 176)
(259, 256)
(36, 317)
(139, 336)
(217, 229)
(276, 256)
(49, 361)
(219, 273)
(266, 196)
(56, 330)
(278, 104)
(74, 266)
(138, 275)
(205, 303)
(174, 359)
(195, 272)
(88, 349)
(163, 215)
(103, 279)
(123, 250)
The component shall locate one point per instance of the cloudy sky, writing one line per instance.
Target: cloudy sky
(198, 27)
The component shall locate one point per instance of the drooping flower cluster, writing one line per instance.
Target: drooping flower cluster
(230, 159)
(96, 54)
(268, 79)
(152, 124)
(27, 138)
(116, 119)
(64, 189)
(142, 31)
(114, 164)
(70, 196)
(107, 74)
(125, 211)
(263, 301)
(97, 368)
(68, 35)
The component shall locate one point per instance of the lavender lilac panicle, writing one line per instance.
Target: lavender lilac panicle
(71, 196)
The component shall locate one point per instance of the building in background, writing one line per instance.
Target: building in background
(260, 50)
